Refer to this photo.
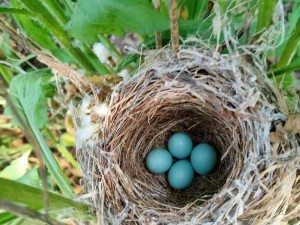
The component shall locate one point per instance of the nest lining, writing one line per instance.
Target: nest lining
(222, 100)
(150, 124)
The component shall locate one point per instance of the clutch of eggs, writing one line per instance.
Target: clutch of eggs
(200, 159)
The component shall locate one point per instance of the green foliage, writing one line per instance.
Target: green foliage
(67, 29)
(292, 18)
(17, 167)
(265, 13)
(290, 47)
(94, 17)
(27, 93)
(32, 178)
(293, 66)
(33, 29)
(33, 198)
(33, 11)
(28, 97)
(6, 217)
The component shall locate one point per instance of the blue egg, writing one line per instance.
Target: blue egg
(181, 174)
(159, 160)
(180, 145)
(203, 158)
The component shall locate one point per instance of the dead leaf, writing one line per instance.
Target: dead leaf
(293, 123)
(276, 137)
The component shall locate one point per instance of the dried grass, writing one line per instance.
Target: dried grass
(224, 100)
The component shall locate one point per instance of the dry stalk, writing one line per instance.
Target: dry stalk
(174, 25)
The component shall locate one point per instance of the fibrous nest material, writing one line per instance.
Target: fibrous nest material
(225, 100)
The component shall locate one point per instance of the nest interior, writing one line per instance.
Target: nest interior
(224, 101)
(148, 125)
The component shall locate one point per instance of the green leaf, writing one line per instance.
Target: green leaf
(5, 73)
(44, 18)
(56, 10)
(187, 28)
(93, 17)
(67, 140)
(40, 35)
(127, 60)
(286, 81)
(33, 29)
(295, 65)
(15, 11)
(199, 9)
(14, 150)
(293, 17)
(66, 154)
(26, 221)
(6, 217)
(290, 47)
(196, 27)
(195, 8)
(265, 13)
(223, 4)
(63, 56)
(33, 198)
(5, 47)
(31, 178)
(17, 167)
(26, 92)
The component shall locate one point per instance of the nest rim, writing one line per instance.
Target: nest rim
(168, 82)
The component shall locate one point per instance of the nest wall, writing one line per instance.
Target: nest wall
(224, 100)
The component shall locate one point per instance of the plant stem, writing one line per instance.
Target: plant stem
(174, 25)
(61, 148)
(158, 37)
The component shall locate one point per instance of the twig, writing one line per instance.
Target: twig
(158, 36)
(174, 25)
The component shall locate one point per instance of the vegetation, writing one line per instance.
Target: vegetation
(39, 173)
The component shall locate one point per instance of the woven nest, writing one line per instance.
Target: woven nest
(224, 100)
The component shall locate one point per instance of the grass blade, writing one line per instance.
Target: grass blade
(56, 10)
(27, 213)
(286, 69)
(290, 47)
(6, 217)
(61, 35)
(265, 13)
(33, 198)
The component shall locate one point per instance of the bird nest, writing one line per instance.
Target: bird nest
(224, 100)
